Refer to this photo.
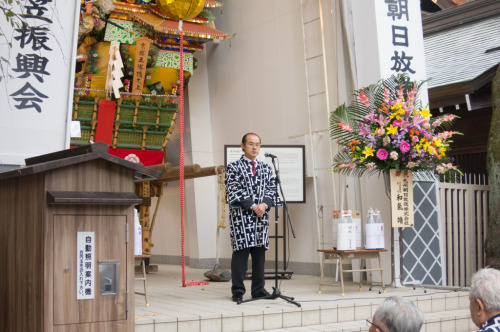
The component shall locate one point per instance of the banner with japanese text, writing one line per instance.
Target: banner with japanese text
(36, 87)
(389, 41)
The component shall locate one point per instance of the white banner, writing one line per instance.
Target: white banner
(37, 82)
(389, 41)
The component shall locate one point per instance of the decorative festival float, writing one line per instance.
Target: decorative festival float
(134, 60)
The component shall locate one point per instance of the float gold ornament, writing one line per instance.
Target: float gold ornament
(181, 9)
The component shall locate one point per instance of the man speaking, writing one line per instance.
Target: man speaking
(250, 188)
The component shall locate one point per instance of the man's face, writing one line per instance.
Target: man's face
(251, 147)
(475, 313)
(376, 326)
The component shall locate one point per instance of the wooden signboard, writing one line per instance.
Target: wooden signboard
(141, 59)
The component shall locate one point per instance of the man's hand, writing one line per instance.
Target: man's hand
(259, 209)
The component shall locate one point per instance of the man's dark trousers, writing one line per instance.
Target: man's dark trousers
(239, 263)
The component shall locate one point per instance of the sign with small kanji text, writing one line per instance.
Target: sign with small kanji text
(402, 198)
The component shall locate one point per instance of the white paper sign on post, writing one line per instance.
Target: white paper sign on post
(402, 198)
(85, 265)
(137, 235)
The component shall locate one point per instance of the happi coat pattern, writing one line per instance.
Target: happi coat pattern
(243, 190)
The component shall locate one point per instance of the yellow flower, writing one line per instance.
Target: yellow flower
(425, 113)
(438, 143)
(368, 151)
(391, 130)
(427, 147)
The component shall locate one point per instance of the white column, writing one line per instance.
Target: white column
(201, 197)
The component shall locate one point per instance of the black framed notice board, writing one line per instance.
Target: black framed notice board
(290, 162)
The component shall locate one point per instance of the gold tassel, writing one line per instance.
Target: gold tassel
(115, 138)
(143, 144)
(75, 113)
(134, 121)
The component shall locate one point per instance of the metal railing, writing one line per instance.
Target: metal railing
(464, 219)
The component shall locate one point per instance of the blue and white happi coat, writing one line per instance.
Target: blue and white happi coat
(243, 190)
(491, 325)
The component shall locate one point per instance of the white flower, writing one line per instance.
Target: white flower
(394, 155)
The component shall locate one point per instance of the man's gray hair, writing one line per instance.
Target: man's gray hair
(485, 285)
(399, 314)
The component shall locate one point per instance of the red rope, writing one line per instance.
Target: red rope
(181, 161)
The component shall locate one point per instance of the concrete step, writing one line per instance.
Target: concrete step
(444, 311)
(454, 320)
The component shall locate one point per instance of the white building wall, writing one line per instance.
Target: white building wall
(286, 68)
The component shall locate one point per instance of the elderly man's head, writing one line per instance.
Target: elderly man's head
(484, 295)
(397, 314)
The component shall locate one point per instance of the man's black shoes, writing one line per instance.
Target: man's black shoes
(261, 294)
(238, 298)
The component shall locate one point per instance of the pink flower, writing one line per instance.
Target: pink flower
(386, 140)
(404, 146)
(370, 117)
(448, 117)
(400, 92)
(363, 99)
(344, 126)
(351, 165)
(370, 166)
(445, 134)
(414, 139)
(394, 155)
(411, 94)
(363, 129)
(436, 123)
(382, 154)
(440, 169)
(411, 164)
(386, 95)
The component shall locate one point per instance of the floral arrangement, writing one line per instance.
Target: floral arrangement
(385, 127)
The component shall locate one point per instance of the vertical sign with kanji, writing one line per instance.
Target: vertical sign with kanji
(389, 41)
(401, 198)
(400, 38)
(141, 59)
(36, 85)
(85, 265)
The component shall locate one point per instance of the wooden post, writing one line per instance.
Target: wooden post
(144, 191)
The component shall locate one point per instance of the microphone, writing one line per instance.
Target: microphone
(269, 155)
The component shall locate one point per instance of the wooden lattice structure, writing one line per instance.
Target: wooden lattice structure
(144, 125)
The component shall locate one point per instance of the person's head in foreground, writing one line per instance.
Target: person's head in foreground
(484, 299)
(396, 314)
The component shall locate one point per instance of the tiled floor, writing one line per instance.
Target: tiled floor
(209, 307)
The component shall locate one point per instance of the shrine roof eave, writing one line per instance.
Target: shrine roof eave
(171, 27)
(213, 4)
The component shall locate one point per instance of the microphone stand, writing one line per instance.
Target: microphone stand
(276, 291)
